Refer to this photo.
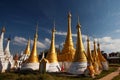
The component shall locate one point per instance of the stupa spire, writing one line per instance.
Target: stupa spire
(7, 49)
(80, 51)
(43, 55)
(103, 61)
(96, 58)
(1, 40)
(68, 47)
(34, 56)
(79, 63)
(90, 59)
(89, 56)
(27, 50)
(52, 56)
(3, 29)
(99, 54)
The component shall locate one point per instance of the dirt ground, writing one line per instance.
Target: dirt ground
(111, 75)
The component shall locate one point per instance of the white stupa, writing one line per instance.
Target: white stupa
(8, 56)
(6, 59)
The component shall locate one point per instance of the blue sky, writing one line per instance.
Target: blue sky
(99, 19)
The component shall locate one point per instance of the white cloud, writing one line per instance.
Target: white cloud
(40, 45)
(48, 41)
(20, 41)
(107, 44)
(117, 31)
(61, 33)
(65, 33)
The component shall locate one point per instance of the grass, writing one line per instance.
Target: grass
(117, 77)
(47, 76)
(114, 65)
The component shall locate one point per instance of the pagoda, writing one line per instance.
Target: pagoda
(67, 54)
(6, 59)
(8, 55)
(52, 65)
(79, 64)
(90, 69)
(32, 63)
(102, 59)
(97, 65)
(26, 52)
(1, 44)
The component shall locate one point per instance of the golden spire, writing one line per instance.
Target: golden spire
(27, 50)
(96, 58)
(99, 54)
(80, 51)
(90, 59)
(52, 56)
(34, 56)
(68, 47)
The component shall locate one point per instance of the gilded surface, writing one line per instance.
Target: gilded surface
(33, 56)
(27, 50)
(89, 56)
(80, 51)
(68, 50)
(102, 59)
(52, 56)
(96, 58)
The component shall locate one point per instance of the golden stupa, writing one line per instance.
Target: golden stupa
(89, 56)
(27, 50)
(80, 55)
(103, 61)
(101, 58)
(52, 55)
(90, 67)
(68, 51)
(33, 55)
(52, 65)
(79, 63)
(97, 65)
